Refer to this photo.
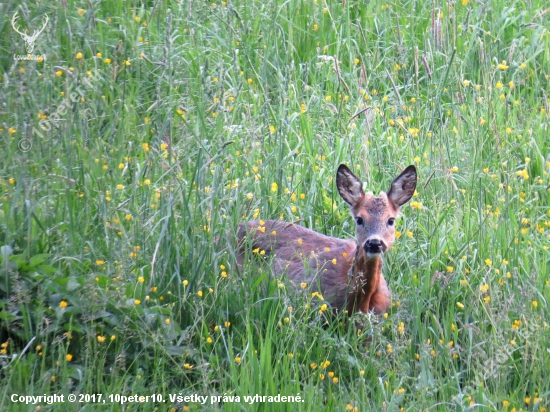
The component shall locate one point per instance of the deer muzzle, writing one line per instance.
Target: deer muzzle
(374, 246)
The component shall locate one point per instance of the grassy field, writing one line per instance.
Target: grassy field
(139, 133)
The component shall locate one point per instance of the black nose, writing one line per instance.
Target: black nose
(374, 246)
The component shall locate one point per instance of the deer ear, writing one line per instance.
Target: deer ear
(403, 187)
(349, 186)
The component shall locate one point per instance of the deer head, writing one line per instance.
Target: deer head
(375, 215)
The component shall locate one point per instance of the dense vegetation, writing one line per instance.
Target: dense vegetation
(148, 131)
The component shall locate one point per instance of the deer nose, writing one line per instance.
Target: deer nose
(374, 246)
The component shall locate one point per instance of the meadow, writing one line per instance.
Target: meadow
(139, 134)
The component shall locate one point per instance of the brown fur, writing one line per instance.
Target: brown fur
(340, 269)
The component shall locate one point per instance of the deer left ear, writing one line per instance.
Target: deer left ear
(403, 187)
(349, 186)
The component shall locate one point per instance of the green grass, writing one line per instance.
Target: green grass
(197, 116)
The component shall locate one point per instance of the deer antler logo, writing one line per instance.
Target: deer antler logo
(29, 40)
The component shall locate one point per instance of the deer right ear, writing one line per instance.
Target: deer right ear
(403, 187)
(349, 186)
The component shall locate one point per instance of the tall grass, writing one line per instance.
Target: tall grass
(152, 129)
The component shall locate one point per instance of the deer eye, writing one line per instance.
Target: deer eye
(359, 221)
(391, 221)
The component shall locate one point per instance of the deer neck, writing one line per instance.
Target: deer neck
(367, 274)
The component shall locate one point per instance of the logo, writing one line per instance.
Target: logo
(29, 40)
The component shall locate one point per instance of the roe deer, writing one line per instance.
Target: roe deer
(347, 273)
